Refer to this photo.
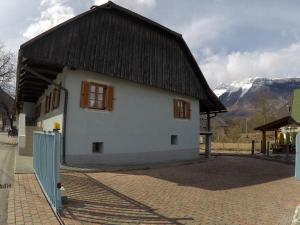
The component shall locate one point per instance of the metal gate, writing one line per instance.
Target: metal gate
(46, 163)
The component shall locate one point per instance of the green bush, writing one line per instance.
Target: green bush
(287, 138)
(281, 139)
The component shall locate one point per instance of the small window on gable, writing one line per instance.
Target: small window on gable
(174, 140)
(182, 109)
(97, 147)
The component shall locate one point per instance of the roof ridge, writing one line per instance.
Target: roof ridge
(92, 9)
(141, 17)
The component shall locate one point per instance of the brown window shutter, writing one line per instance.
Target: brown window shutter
(57, 98)
(109, 98)
(84, 98)
(46, 104)
(176, 108)
(49, 102)
(188, 110)
(53, 98)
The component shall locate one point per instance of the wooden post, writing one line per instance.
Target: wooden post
(264, 139)
(276, 137)
(208, 138)
(253, 147)
(268, 148)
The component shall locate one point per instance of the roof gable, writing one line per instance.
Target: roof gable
(114, 41)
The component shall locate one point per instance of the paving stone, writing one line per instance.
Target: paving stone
(27, 204)
(224, 190)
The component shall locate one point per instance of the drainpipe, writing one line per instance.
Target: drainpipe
(38, 75)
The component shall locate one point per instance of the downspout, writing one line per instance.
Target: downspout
(38, 75)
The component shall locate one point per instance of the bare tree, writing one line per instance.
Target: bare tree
(7, 76)
(7, 66)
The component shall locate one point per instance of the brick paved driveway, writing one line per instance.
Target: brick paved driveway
(224, 190)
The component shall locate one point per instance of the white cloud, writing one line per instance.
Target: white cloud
(53, 13)
(200, 31)
(138, 5)
(283, 62)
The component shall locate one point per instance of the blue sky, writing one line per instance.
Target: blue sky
(230, 39)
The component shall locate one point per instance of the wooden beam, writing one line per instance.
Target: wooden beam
(45, 70)
(27, 100)
(34, 84)
(36, 92)
(31, 78)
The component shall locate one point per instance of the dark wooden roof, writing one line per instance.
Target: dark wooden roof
(275, 125)
(114, 41)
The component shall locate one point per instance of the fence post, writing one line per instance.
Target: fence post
(253, 147)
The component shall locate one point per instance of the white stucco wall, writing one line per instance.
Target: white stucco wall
(47, 120)
(142, 121)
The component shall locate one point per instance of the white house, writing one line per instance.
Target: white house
(134, 91)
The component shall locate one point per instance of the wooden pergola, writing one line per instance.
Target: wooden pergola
(274, 126)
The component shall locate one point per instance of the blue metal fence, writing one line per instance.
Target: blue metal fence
(46, 163)
(297, 167)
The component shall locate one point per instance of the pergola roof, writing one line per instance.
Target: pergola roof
(275, 125)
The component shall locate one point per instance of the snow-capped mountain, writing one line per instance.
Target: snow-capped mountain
(240, 96)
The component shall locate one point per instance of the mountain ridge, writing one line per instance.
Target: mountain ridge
(241, 97)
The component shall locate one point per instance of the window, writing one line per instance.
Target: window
(96, 96)
(182, 109)
(97, 147)
(174, 140)
(55, 98)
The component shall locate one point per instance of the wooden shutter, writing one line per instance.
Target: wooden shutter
(54, 98)
(175, 110)
(57, 98)
(49, 103)
(187, 110)
(109, 98)
(46, 104)
(84, 97)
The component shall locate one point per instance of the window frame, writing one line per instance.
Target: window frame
(97, 85)
(181, 109)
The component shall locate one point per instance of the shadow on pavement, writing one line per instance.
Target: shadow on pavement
(90, 201)
(221, 173)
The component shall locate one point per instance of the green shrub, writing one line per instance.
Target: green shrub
(287, 138)
(281, 139)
